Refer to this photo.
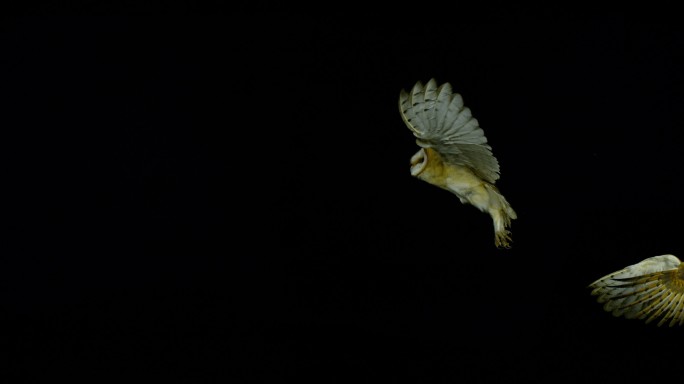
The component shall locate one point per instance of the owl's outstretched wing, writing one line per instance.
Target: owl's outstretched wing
(439, 120)
(651, 289)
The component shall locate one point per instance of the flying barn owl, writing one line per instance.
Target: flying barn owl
(454, 154)
(651, 289)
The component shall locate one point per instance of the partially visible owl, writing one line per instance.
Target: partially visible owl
(651, 289)
(454, 153)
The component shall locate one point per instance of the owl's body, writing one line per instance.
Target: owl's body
(651, 289)
(454, 153)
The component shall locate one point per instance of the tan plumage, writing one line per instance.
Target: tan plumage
(651, 289)
(454, 153)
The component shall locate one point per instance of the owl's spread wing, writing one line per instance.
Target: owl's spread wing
(651, 289)
(439, 120)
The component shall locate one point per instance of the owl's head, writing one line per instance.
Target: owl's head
(418, 162)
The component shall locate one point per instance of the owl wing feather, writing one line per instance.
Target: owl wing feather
(439, 120)
(651, 289)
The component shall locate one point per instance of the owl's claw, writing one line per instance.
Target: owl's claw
(503, 239)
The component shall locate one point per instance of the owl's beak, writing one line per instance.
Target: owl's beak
(418, 162)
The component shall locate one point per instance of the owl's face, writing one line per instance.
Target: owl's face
(418, 162)
(427, 165)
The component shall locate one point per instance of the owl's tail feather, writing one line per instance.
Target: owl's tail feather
(502, 213)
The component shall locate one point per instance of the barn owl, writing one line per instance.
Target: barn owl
(454, 154)
(651, 289)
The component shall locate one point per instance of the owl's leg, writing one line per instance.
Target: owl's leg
(487, 198)
(502, 236)
(502, 213)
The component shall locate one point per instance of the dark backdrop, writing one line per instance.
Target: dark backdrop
(212, 193)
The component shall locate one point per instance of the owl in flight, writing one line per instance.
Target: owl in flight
(454, 154)
(651, 289)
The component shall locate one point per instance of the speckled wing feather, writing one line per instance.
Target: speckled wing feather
(651, 289)
(439, 120)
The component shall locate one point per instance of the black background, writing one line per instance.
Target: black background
(206, 193)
